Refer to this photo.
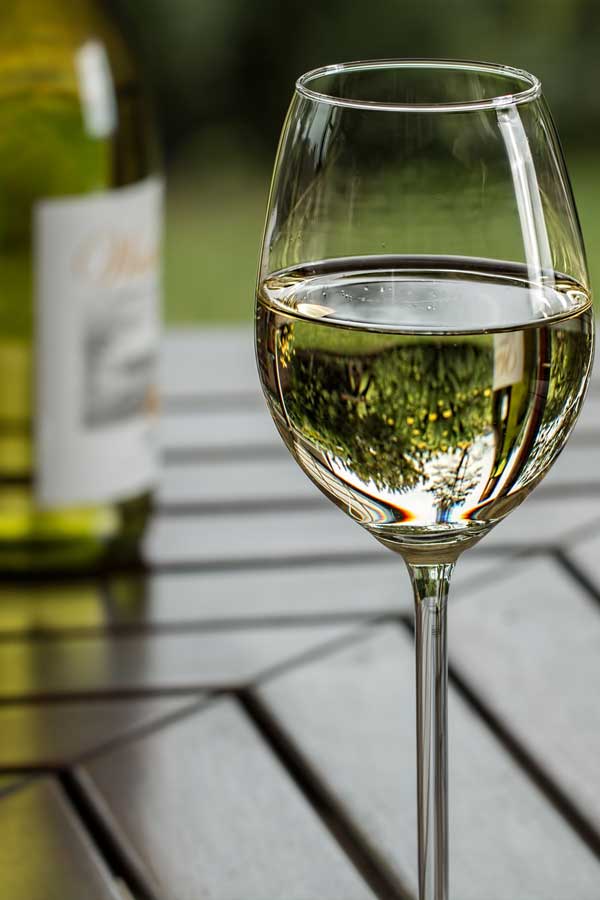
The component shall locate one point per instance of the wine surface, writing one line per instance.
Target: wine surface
(427, 396)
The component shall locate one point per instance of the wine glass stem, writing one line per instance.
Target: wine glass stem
(431, 584)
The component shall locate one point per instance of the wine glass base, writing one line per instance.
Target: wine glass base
(431, 549)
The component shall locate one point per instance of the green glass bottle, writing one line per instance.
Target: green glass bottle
(80, 234)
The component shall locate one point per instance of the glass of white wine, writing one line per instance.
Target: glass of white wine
(424, 328)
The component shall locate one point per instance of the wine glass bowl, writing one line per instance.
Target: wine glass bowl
(426, 437)
(424, 329)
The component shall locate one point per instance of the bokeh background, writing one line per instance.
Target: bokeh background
(222, 72)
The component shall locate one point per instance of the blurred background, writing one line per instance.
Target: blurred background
(223, 71)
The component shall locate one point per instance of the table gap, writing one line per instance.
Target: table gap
(572, 569)
(190, 566)
(107, 846)
(365, 858)
(182, 508)
(535, 771)
(283, 620)
(171, 456)
(185, 626)
(307, 656)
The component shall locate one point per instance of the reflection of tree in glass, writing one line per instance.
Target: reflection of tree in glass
(387, 414)
(453, 476)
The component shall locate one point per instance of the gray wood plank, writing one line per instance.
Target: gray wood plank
(55, 735)
(586, 555)
(352, 715)
(45, 853)
(347, 589)
(208, 362)
(252, 536)
(545, 521)
(145, 602)
(326, 531)
(251, 428)
(588, 424)
(235, 482)
(246, 430)
(530, 647)
(186, 661)
(575, 466)
(220, 359)
(204, 810)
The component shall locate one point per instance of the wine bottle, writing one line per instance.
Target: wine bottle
(80, 236)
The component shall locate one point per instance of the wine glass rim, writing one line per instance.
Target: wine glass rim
(531, 90)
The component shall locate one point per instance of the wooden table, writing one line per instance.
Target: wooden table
(237, 723)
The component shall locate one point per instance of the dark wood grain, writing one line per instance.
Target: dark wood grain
(352, 716)
(203, 809)
(55, 735)
(44, 852)
(184, 661)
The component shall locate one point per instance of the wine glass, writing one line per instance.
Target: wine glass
(424, 329)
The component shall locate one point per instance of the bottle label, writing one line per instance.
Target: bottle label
(97, 295)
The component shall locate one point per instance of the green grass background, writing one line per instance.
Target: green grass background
(214, 229)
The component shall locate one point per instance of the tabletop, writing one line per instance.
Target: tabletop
(235, 719)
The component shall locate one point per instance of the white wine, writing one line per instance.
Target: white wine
(425, 396)
(80, 219)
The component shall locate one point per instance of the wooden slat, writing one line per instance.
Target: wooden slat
(185, 661)
(9, 782)
(44, 852)
(198, 362)
(229, 483)
(251, 428)
(347, 589)
(208, 362)
(577, 465)
(327, 532)
(203, 809)
(246, 430)
(545, 521)
(55, 735)
(145, 602)
(531, 648)
(352, 715)
(586, 555)
(251, 537)
(588, 425)
(51, 606)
